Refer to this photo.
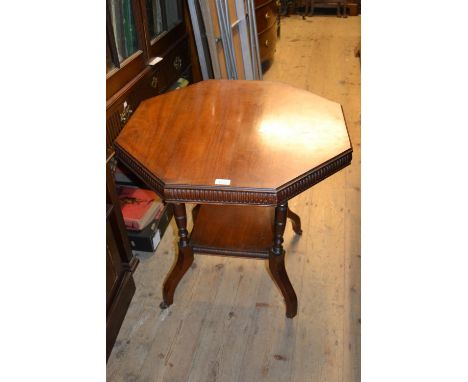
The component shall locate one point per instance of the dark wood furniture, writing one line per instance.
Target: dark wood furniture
(120, 264)
(129, 84)
(353, 7)
(267, 18)
(241, 160)
(340, 5)
(343, 7)
(137, 32)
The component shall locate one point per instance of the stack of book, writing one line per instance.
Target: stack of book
(145, 216)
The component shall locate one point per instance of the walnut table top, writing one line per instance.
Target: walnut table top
(235, 142)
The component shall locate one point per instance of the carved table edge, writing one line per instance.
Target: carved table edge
(140, 171)
(314, 176)
(236, 196)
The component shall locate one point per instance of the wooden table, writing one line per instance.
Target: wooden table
(239, 150)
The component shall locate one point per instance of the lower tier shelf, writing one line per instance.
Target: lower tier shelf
(244, 231)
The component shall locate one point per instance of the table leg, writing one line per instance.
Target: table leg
(276, 262)
(296, 222)
(195, 212)
(306, 9)
(184, 257)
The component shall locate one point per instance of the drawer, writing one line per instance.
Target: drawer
(121, 109)
(175, 62)
(266, 16)
(164, 74)
(116, 117)
(151, 85)
(267, 43)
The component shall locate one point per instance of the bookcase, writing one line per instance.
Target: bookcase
(120, 264)
(149, 45)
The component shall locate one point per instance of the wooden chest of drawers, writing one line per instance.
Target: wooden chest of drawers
(266, 15)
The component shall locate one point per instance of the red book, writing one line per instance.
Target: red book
(139, 206)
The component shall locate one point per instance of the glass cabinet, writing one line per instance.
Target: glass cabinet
(124, 29)
(134, 28)
(162, 16)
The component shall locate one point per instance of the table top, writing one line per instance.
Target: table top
(234, 142)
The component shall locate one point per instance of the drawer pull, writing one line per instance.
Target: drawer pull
(267, 16)
(267, 43)
(113, 165)
(177, 63)
(126, 113)
(154, 82)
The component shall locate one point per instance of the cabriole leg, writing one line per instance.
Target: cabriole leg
(184, 257)
(296, 222)
(345, 9)
(276, 262)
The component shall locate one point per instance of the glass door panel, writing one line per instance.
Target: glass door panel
(123, 25)
(173, 12)
(155, 18)
(109, 64)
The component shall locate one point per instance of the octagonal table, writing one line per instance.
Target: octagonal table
(239, 150)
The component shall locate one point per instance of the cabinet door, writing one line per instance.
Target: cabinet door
(114, 268)
(120, 263)
(126, 53)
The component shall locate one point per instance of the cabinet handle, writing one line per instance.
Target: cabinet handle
(113, 165)
(126, 113)
(267, 16)
(177, 63)
(154, 82)
(267, 43)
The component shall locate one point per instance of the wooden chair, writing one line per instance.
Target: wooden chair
(309, 6)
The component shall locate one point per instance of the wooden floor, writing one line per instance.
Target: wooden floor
(228, 321)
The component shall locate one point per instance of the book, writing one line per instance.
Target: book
(139, 206)
(146, 241)
(124, 177)
(179, 84)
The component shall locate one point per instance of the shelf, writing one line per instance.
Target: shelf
(243, 231)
